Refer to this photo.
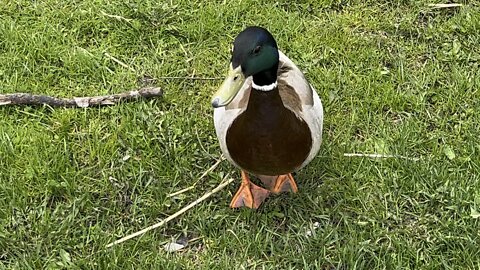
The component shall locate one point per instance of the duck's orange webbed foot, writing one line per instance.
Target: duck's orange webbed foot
(249, 194)
(281, 183)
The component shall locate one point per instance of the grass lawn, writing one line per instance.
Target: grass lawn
(398, 79)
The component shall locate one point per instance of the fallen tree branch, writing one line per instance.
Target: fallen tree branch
(79, 102)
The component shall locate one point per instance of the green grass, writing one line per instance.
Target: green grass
(394, 78)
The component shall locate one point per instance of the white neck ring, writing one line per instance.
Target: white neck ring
(265, 88)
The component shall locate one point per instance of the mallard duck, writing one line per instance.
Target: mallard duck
(268, 118)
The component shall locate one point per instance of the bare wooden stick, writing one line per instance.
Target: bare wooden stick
(80, 102)
(378, 156)
(181, 211)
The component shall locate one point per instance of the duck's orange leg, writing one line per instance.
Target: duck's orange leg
(281, 183)
(249, 194)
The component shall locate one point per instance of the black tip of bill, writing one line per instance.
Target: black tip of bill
(216, 103)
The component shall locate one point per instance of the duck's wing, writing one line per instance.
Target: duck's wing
(299, 96)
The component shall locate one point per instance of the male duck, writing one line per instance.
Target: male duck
(268, 118)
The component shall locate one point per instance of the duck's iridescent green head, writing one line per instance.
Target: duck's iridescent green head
(255, 53)
(255, 50)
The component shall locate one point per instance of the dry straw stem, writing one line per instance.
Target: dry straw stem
(189, 78)
(181, 211)
(378, 156)
(219, 160)
(116, 17)
(119, 62)
(452, 5)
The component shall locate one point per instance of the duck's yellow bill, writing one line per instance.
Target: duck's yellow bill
(229, 88)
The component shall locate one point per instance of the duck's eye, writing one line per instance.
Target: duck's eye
(235, 78)
(256, 50)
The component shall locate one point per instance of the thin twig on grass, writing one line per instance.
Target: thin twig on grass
(116, 17)
(79, 102)
(193, 78)
(119, 62)
(180, 191)
(219, 160)
(181, 211)
(201, 143)
(452, 5)
(209, 170)
(189, 78)
(378, 156)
